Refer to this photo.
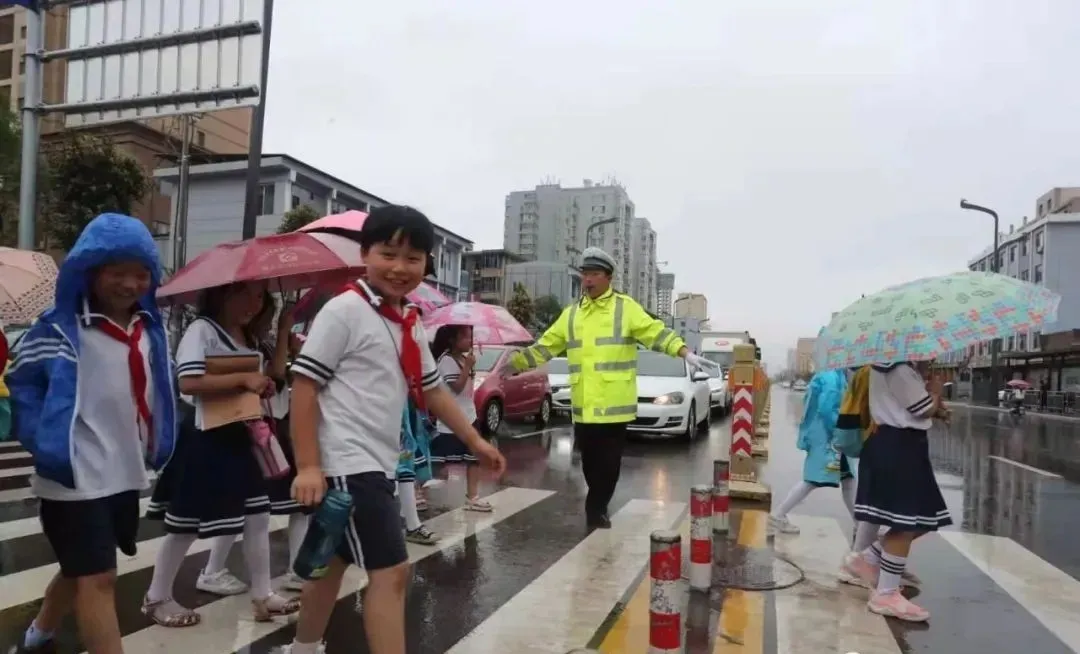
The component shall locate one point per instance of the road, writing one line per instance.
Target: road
(530, 578)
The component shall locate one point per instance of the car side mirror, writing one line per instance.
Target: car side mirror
(700, 376)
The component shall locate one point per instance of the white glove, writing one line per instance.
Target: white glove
(700, 363)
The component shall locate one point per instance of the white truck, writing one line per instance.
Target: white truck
(719, 347)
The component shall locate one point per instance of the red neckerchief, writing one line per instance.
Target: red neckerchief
(137, 370)
(410, 358)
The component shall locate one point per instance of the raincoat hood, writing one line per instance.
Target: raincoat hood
(108, 238)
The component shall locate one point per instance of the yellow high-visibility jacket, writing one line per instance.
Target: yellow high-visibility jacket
(600, 339)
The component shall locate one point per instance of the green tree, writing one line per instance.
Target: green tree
(546, 310)
(10, 155)
(87, 176)
(297, 217)
(520, 306)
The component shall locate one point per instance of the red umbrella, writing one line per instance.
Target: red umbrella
(295, 261)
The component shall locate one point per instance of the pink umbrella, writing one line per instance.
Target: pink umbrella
(428, 298)
(27, 285)
(1018, 383)
(492, 324)
(425, 297)
(343, 224)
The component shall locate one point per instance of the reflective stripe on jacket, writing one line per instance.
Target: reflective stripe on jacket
(600, 339)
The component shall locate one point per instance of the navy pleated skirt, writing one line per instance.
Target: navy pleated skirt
(896, 484)
(211, 483)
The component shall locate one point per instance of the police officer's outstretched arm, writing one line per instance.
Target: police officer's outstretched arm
(650, 332)
(551, 344)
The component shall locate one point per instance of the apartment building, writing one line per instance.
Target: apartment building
(804, 357)
(549, 223)
(487, 274)
(151, 142)
(692, 305)
(665, 291)
(216, 207)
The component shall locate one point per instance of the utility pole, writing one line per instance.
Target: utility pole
(252, 198)
(995, 345)
(31, 127)
(180, 219)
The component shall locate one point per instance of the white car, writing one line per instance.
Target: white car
(559, 378)
(799, 385)
(719, 399)
(671, 400)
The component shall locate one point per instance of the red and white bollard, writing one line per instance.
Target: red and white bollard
(665, 605)
(701, 538)
(742, 422)
(721, 498)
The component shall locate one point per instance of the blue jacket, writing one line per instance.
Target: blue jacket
(43, 379)
(820, 412)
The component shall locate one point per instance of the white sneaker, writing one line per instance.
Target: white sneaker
(293, 583)
(288, 649)
(782, 525)
(222, 583)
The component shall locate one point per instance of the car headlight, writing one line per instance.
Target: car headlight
(670, 398)
(557, 389)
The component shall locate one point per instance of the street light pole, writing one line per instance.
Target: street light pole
(599, 223)
(995, 345)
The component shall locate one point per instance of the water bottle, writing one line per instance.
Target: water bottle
(324, 534)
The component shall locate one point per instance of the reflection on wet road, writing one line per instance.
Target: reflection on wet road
(530, 578)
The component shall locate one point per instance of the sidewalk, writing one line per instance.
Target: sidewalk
(1027, 413)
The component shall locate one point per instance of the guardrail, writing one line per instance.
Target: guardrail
(1059, 402)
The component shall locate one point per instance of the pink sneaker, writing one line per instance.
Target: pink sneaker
(894, 605)
(857, 571)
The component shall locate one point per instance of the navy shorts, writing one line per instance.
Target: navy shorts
(374, 538)
(85, 534)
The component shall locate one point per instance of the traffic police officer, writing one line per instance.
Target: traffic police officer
(599, 334)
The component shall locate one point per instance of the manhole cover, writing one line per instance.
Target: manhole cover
(751, 568)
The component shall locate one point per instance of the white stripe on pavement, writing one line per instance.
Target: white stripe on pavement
(10, 445)
(563, 607)
(825, 616)
(227, 626)
(1049, 594)
(16, 495)
(11, 456)
(16, 472)
(1024, 466)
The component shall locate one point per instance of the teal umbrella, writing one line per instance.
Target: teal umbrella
(923, 319)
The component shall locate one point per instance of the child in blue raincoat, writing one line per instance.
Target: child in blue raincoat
(824, 466)
(414, 465)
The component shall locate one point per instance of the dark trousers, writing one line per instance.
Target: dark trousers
(601, 447)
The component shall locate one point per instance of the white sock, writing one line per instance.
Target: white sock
(219, 554)
(866, 534)
(174, 547)
(847, 491)
(256, 546)
(298, 524)
(407, 497)
(892, 569)
(794, 497)
(304, 648)
(873, 554)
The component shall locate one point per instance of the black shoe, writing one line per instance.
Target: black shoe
(598, 521)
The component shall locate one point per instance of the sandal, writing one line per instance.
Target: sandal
(272, 605)
(168, 613)
(478, 505)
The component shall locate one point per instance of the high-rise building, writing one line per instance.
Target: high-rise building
(692, 305)
(150, 142)
(804, 356)
(549, 223)
(665, 291)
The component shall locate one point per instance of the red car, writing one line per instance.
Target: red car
(519, 395)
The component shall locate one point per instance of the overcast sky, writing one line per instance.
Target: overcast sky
(791, 155)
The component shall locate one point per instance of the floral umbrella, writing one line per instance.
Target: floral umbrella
(492, 324)
(27, 285)
(923, 319)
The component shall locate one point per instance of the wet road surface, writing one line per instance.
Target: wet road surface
(530, 578)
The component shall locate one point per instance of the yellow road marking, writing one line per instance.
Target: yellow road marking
(742, 615)
(630, 633)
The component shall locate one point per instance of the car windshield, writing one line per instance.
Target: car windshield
(558, 367)
(654, 364)
(486, 357)
(723, 359)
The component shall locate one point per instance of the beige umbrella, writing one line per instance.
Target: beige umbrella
(27, 285)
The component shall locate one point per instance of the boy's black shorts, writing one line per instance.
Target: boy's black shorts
(374, 539)
(85, 534)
